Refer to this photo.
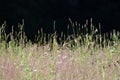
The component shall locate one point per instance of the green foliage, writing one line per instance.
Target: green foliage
(88, 53)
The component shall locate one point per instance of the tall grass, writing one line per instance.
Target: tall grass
(87, 54)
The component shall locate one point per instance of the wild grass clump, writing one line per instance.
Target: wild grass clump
(87, 54)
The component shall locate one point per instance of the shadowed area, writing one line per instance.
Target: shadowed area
(39, 14)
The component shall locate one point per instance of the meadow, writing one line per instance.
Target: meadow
(88, 55)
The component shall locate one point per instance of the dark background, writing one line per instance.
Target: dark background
(39, 14)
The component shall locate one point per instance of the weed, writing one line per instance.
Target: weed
(86, 55)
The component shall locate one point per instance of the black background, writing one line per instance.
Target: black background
(39, 14)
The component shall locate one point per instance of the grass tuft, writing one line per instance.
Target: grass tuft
(87, 54)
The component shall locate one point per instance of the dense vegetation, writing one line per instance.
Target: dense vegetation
(87, 54)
